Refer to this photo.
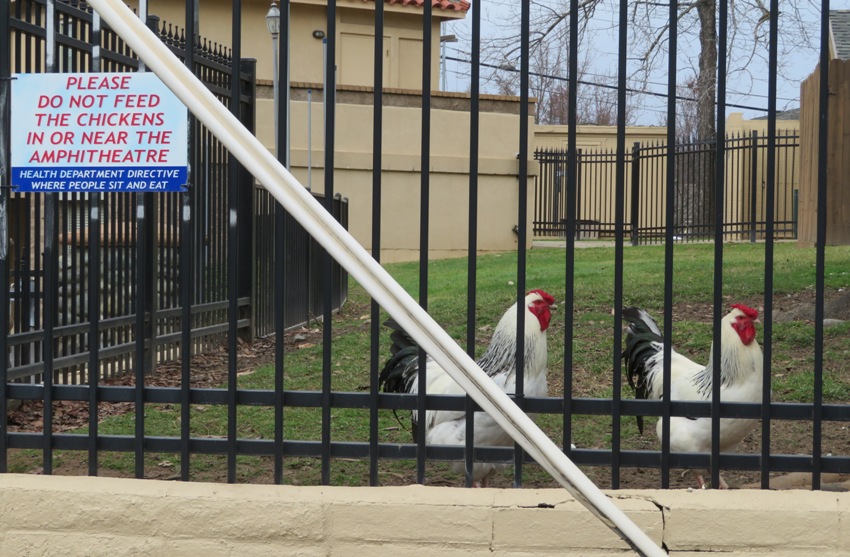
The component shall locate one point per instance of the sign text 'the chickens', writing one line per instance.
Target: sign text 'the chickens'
(79, 132)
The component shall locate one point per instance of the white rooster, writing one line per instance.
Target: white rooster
(740, 378)
(498, 361)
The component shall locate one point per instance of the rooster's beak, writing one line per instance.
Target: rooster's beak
(553, 307)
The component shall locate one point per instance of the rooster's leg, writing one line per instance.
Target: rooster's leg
(482, 482)
(701, 482)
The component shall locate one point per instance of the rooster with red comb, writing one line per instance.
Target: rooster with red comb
(740, 378)
(444, 427)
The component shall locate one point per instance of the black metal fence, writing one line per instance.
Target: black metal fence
(111, 253)
(110, 250)
(303, 287)
(285, 394)
(744, 210)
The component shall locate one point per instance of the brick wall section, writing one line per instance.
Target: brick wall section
(82, 516)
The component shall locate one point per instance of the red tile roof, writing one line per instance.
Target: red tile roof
(456, 5)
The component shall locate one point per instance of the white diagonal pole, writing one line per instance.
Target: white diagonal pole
(369, 273)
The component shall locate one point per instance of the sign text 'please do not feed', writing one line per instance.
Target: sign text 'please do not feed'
(92, 132)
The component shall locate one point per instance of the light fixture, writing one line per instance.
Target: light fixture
(273, 20)
(273, 24)
(318, 34)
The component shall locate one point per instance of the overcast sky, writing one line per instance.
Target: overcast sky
(602, 50)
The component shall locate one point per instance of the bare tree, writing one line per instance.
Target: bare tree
(696, 22)
(549, 84)
(687, 120)
(649, 32)
(548, 80)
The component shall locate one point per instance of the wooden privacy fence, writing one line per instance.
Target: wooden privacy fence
(837, 152)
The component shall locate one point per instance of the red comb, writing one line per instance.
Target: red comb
(545, 295)
(748, 311)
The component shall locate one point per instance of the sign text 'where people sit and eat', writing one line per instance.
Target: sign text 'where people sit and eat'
(97, 132)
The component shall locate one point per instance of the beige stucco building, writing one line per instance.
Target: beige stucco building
(309, 25)
(402, 122)
(401, 157)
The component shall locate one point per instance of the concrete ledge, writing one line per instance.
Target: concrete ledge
(77, 516)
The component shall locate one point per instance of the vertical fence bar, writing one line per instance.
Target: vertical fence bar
(282, 56)
(619, 216)
(246, 112)
(150, 262)
(635, 199)
(522, 223)
(569, 266)
(719, 176)
(186, 242)
(69, 267)
(232, 249)
(185, 261)
(141, 285)
(93, 295)
(580, 201)
(50, 271)
(767, 345)
(820, 258)
(424, 202)
(377, 147)
(794, 192)
(5, 179)
(327, 261)
(472, 250)
(281, 287)
(668, 237)
(754, 177)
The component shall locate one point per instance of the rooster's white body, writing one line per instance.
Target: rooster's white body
(740, 376)
(498, 361)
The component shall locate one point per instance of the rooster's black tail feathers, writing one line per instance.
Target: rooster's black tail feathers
(399, 371)
(643, 338)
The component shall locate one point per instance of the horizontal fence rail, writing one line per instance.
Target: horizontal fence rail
(282, 383)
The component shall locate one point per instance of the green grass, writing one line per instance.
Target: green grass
(592, 351)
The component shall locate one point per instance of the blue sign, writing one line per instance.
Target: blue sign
(93, 132)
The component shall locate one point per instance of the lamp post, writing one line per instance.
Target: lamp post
(443, 40)
(273, 25)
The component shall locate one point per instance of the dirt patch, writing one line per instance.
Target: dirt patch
(209, 370)
(799, 306)
(802, 307)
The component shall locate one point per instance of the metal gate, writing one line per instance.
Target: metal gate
(744, 211)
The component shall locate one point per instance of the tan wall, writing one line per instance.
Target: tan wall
(84, 516)
(735, 124)
(597, 180)
(401, 164)
(354, 45)
(597, 137)
(401, 160)
(739, 167)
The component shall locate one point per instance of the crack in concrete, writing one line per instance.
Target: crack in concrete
(660, 507)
